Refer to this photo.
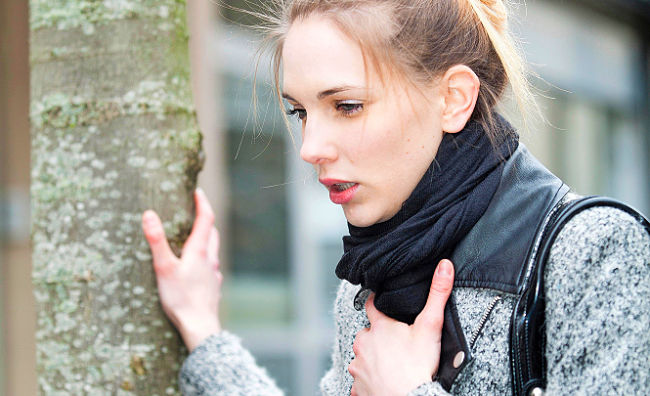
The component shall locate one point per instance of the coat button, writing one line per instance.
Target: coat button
(360, 298)
(537, 392)
(459, 359)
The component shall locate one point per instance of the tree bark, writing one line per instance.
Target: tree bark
(113, 134)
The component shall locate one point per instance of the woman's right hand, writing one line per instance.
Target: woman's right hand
(189, 287)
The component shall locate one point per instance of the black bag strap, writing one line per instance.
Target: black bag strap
(527, 330)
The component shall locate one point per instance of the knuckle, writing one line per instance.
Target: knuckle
(155, 235)
(208, 216)
(212, 261)
(441, 288)
(358, 343)
(356, 347)
(352, 369)
(433, 321)
(201, 250)
(162, 267)
(442, 284)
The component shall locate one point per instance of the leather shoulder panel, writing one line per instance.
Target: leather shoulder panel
(493, 254)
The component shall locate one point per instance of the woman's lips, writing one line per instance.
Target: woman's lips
(345, 196)
(341, 191)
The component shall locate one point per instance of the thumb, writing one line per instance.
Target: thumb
(374, 315)
(432, 316)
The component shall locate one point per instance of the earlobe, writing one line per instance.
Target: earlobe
(460, 87)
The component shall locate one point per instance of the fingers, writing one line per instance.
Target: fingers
(356, 344)
(203, 224)
(163, 257)
(219, 279)
(354, 368)
(213, 249)
(432, 316)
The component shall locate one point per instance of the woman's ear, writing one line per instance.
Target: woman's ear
(459, 89)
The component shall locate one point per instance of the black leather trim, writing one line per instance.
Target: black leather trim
(493, 254)
(453, 342)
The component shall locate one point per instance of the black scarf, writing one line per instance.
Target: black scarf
(397, 258)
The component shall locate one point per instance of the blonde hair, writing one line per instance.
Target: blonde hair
(421, 40)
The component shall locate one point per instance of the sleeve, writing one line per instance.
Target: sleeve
(220, 365)
(598, 306)
(429, 389)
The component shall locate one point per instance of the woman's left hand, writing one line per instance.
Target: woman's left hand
(392, 357)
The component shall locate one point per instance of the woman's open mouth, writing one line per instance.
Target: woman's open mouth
(340, 191)
(343, 186)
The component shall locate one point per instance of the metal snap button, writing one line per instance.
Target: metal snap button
(537, 392)
(459, 359)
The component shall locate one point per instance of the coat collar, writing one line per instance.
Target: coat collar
(493, 254)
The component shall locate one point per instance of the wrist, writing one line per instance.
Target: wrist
(416, 382)
(195, 332)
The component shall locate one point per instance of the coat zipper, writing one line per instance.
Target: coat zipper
(484, 319)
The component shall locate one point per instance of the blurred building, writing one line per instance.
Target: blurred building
(592, 57)
(281, 235)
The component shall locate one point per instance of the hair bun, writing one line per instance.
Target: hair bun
(495, 11)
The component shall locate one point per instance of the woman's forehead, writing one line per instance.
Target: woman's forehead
(317, 56)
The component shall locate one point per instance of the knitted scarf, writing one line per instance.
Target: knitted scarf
(397, 258)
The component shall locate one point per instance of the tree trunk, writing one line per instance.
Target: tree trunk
(113, 133)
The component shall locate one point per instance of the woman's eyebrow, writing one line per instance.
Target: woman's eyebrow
(335, 90)
(288, 97)
(328, 92)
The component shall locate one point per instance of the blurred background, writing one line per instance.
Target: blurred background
(281, 234)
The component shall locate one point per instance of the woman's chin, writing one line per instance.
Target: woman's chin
(359, 217)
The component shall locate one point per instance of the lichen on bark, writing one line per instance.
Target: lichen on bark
(113, 134)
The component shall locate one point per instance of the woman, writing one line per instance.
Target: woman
(396, 99)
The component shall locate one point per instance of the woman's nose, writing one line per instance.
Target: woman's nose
(318, 145)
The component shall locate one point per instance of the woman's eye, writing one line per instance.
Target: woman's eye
(349, 108)
(300, 113)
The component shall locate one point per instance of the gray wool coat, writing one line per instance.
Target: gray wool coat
(597, 283)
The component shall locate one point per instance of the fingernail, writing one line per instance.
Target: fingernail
(200, 191)
(445, 268)
(149, 218)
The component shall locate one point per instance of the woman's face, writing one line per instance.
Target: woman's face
(369, 141)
